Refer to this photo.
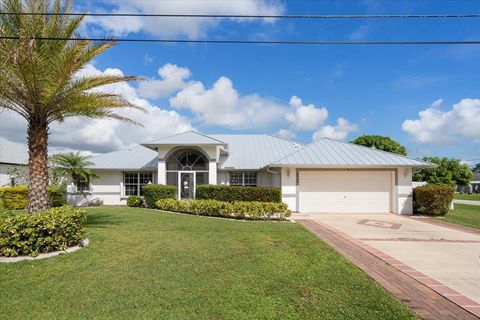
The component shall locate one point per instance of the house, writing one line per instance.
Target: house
(11, 155)
(324, 176)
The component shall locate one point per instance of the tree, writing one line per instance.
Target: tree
(381, 143)
(39, 79)
(476, 168)
(448, 171)
(73, 165)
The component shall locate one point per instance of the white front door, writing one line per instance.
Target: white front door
(186, 185)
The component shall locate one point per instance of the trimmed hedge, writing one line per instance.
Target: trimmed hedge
(154, 192)
(135, 201)
(432, 199)
(239, 209)
(237, 193)
(16, 198)
(51, 230)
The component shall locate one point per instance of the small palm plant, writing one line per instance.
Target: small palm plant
(40, 60)
(73, 165)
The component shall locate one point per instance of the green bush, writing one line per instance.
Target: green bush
(432, 199)
(16, 198)
(154, 192)
(135, 201)
(237, 193)
(239, 209)
(51, 230)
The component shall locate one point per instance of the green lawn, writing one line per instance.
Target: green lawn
(144, 264)
(464, 214)
(466, 196)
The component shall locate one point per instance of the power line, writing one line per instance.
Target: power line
(272, 42)
(249, 16)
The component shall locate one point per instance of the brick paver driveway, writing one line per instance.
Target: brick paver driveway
(447, 258)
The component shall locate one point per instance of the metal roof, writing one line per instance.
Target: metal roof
(253, 151)
(12, 152)
(184, 138)
(136, 157)
(331, 153)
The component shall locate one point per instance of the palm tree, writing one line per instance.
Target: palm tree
(39, 78)
(73, 165)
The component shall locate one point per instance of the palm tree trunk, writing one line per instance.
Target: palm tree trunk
(38, 172)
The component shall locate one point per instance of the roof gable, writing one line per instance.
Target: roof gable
(331, 153)
(184, 138)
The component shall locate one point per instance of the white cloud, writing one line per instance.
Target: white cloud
(103, 135)
(192, 28)
(173, 78)
(285, 134)
(222, 105)
(438, 127)
(305, 117)
(337, 132)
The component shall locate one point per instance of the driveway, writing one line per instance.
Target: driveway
(451, 257)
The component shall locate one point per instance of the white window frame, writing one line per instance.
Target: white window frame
(138, 184)
(243, 173)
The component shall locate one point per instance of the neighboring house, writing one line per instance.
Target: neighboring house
(324, 176)
(11, 155)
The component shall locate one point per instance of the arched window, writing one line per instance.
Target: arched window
(187, 159)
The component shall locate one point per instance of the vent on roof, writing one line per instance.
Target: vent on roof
(295, 145)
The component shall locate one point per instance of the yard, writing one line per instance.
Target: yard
(464, 214)
(148, 264)
(466, 196)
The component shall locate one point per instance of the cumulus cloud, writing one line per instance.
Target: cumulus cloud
(103, 135)
(173, 78)
(223, 105)
(435, 126)
(338, 132)
(192, 28)
(285, 134)
(305, 117)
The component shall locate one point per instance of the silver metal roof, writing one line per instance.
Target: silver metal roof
(135, 158)
(253, 151)
(331, 153)
(12, 152)
(184, 138)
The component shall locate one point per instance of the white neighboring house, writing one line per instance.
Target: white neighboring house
(11, 155)
(324, 176)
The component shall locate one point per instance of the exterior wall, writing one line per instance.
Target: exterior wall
(289, 187)
(108, 188)
(404, 191)
(264, 178)
(4, 176)
(222, 178)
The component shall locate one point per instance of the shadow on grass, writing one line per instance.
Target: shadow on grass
(103, 220)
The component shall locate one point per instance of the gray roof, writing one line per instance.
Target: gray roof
(253, 151)
(184, 138)
(332, 153)
(135, 158)
(12, 152)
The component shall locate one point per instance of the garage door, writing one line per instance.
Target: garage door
(345, 191)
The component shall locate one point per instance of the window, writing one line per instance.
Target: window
(134, 181)
(82, 184)
(243, 179)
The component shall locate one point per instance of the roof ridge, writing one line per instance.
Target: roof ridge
(184, 132)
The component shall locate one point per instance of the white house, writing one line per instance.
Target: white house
(11, 155)
(324, 176)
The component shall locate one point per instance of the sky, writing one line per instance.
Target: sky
(426, 97)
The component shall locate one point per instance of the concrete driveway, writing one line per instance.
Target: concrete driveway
(451, 257)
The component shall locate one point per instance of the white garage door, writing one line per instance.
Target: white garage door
(345, 191)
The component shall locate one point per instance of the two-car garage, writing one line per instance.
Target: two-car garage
(345, 190)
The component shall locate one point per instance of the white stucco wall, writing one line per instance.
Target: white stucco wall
(4, 176)
(289, 187)
(109, 188)
(404, 190)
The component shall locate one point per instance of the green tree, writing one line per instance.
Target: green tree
(476, 168)
(73, 165)
(381, 143)
(39, 78)
(448, 171)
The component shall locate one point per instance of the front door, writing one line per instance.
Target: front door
(186, 185)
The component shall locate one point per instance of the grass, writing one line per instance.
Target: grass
(144, 264)
(464, 214)
(466, 196)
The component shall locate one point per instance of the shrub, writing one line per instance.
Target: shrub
(50, 230)
(16, 198)
(239, 209)
(237, 193)
(154, 192)
(432, 199)
(134, 201)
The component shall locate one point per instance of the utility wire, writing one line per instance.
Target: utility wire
(273, 42)
(300, 16)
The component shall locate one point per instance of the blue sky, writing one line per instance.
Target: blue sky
(375, 89)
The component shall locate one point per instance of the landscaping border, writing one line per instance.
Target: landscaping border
(82, 244)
